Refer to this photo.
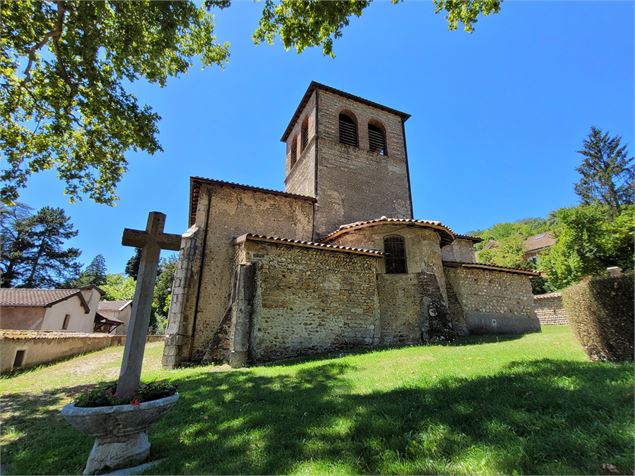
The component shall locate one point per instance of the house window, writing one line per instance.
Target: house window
(19, 359)
(376, 139)
(67, 318)
(304, 133)
(348, 130)
(294, 151)
(395, 254)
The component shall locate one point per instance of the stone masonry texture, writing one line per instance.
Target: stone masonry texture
(549, 309)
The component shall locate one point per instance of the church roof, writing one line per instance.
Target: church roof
(446, 233)
(491, 267)
(196, 182)
(306, 244)
(315, 85)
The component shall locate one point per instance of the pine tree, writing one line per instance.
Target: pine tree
(95, 273)
(606, 171)
(132, 266)
(33, 254)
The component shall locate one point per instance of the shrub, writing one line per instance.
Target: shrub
(600, 311)
(105, 394)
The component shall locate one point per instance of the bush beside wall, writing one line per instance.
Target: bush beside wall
(600, 312)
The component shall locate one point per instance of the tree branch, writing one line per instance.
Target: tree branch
(55, 34)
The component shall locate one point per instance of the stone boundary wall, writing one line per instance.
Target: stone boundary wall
(549, 309)
(492, 301)
(42, 347)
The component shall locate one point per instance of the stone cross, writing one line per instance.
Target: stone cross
(151, 241)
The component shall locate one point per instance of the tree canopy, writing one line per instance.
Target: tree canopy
(95, 273)
(66, 68)
(606, 172)
(32, 246)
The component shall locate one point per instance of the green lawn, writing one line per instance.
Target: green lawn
(532, 404)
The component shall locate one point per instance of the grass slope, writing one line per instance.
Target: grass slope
(518, 405)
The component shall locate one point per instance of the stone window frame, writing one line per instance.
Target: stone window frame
(395, 256)
(294, 151)
(304, 134)
(350, 115)
(381, 129)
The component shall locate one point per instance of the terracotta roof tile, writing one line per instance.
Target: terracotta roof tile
(307, 244)
(539, 242)
(447, 235)
(26, 297)
(113, 305)
(474, 239)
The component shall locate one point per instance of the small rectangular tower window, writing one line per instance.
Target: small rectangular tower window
(67, 319)
(304, 133)
(294, 151)
(348, 130)
(376, 139)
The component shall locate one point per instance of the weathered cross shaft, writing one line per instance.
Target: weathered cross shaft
(151, 241)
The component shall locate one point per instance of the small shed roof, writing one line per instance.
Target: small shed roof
(306, 244)
(113, 305)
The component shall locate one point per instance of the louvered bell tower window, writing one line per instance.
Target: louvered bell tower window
(376, 139)
(395, 255)
(304, 133)
(348, 130)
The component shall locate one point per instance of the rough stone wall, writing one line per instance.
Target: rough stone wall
(423, 249)
(311, 301)
(459, 250)
(353, 183)
(401, 307)
(233, 212)
(179, 328)
(549, 309)
(300, 177)
(493, 301)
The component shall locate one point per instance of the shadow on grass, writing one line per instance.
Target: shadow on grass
(540, 417)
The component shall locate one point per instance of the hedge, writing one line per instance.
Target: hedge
(600, 312)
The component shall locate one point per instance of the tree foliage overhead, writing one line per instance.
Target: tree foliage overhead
(606, 171)
(66, 67)
(32, 246)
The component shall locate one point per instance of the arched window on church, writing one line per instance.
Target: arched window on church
(304, 133)
(395, 254)
(377, 139)
(294, 151)
(348, 130)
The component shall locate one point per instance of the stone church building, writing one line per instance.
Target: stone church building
(335, 261)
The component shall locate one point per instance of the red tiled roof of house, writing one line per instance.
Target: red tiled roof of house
(27, 297)
(447, 235)
(307, 244)
(539, 242)
(113, 305)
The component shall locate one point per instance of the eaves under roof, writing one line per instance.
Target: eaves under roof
(306, 244)
(315, 85)
(473, 239)
(446, 233)
(195, 187)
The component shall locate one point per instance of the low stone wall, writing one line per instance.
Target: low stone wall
(492, 301)
(549, 309)
(30, 348)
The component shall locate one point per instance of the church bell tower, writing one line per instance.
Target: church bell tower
(350, 154)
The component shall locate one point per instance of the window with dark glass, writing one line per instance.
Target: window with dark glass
(304, 133)
(376, 139)
(67, 319)
(395, 255)
(294, 151)
(348, 130)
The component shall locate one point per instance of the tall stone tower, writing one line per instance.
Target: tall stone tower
(350, 154)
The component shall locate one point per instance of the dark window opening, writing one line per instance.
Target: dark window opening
(67, 318)
(19, 359)
(294, 151)
(304, 133)
(376, 139)
(395, 255)
(348, 130)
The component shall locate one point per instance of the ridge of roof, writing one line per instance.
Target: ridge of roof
(30, 297)
(196, 181)
(493, 267)
(306, 244)
(446, 238)
(315, 85)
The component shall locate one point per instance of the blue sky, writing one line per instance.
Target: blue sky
(497, 115)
